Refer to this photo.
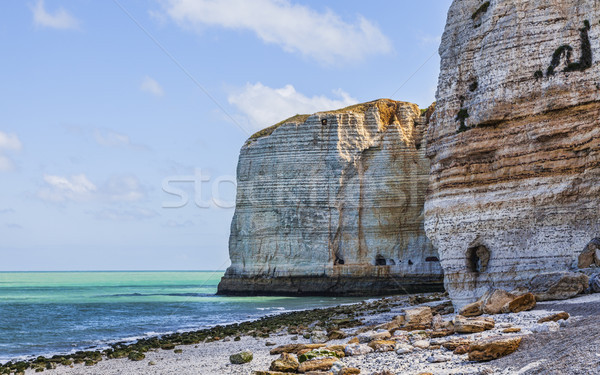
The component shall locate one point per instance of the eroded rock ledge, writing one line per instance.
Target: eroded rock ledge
(515, 143)
(332, 204)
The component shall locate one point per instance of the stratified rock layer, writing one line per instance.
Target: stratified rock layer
(514, 146)
(332, 204)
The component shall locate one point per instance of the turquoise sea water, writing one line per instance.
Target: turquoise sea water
(44, 313)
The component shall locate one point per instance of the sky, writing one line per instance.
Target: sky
(121, 121)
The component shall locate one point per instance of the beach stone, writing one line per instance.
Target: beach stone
(421, 344)
(349, 371)
(286, 363)
(472, 325)
(438, 358)
(371, 335)
(337, 335)
(383, 345)
(294, 348)
(472, 309)
(136, 356)
(437, 323)
(318, 337)
(357, 349)
(493, 348)
(443, 308)
(317, 353)
(353, 340)
(595, 283)
(419, 316)
(493, 301)
(454, 343)
(270, 343)
(512, 330)
(241, 357)
(403, 348)
(524, 302)
(590, 255)
(269, 373)
(558, 285)
(318, 364)
(554, 317)
(463, 349)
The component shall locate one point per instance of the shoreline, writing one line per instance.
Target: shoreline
(207, 351)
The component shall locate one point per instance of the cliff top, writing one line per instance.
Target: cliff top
(387, 110)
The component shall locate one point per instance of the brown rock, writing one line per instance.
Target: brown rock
(512, 330)
(353, 340)
(419, 316)
(558, 285)
(495, 300)
(455, 343)
(317, 364)
(443, 308)
(336, 348)
(258, 372)
(493, 348)
(383, 345)
(555, 317)
(472, 325)
(463, 349)
(442, 333)
(472, 309)
(294, 348)
(337, 335)
(384, 372)
(286, 363)
(349, 371)
(524, 302)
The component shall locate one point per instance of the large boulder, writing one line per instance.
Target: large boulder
(241, 357)
(524, 302)
(286, 363)
(558, 285)
(419, 316)
(493, 348)
(472, 325)
(514, 145)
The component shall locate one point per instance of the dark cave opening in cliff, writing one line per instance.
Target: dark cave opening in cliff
(477, 258)
(380, 260)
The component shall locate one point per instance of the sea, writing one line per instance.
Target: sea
(47, 313)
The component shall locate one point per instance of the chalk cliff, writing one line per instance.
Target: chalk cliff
(515, 143)
(332, 204)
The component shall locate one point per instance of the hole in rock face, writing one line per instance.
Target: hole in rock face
(324, 122)
(410, 262)
(391, 262)
(478, 258)
(432, 259)
(590, 255)
(338, 260)
(380, 260)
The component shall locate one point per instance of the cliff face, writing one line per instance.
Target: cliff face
(515, 144)
(333, 204)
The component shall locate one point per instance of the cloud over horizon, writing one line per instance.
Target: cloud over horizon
(60, 19)
(150, 86)
(79, 188)
(322, 36)
(8, 142)
(264, 106)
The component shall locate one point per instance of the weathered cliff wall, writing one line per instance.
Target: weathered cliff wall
(332, 204)
(515, 144)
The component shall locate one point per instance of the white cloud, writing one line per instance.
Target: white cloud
(324, 37)
(60, 189)
(265, 106)
(60, 19)
(79, 188)
(8, 142)
(150, 85)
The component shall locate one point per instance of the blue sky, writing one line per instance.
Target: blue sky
(107, 106)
